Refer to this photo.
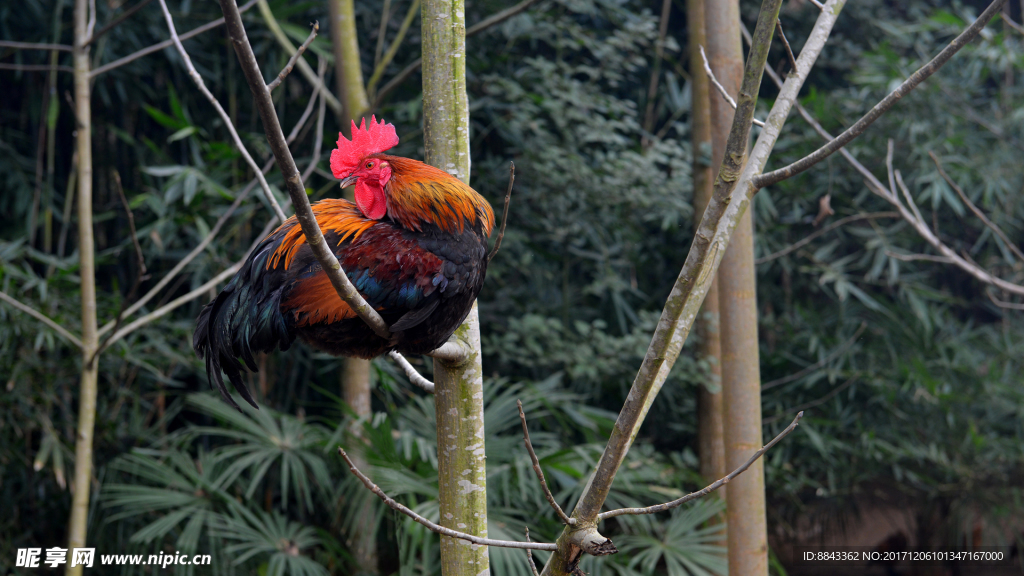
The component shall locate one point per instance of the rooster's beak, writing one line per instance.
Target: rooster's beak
(346, 182)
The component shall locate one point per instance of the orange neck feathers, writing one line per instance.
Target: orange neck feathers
(420, 194)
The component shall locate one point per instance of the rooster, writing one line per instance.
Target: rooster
(414, 244)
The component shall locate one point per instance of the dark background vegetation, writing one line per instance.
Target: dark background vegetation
(914, 391)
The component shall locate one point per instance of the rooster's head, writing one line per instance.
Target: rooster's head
(357, 161)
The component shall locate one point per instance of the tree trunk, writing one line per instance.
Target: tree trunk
(458, 392)
(709, 397)
(355, 372)
(710, 439)
(355, 390)
(741, 382)
(87, 394)
(348, 72)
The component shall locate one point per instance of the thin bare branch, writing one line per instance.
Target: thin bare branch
(172, 305)
(141, 260)
(291, 61)
(113, 23)
(1002, 303)
(818, 4)
(161, 45)
(34, 67)
(318, 138)
(858, 128)
(396, 81)
(652, 86)
(529, 555)
(838, 223)
(977, 211)
(382, 31)
(813, 403)
(69, 195)
(224, 115)
(835, 354)
(1012, 24)
(540, 473)
(498, 18)
(918, 257)
(293, 180)
(92, 22)
(140, 265)
(721, 89)
(378, 69)
(504, 214)
(785, 42)
(879, 189)
(708, 489)
(42, 318)
(34, 46)
(410, 371)
(437, 529)
(304, 68)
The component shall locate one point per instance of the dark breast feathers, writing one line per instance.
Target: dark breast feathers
(422, 282)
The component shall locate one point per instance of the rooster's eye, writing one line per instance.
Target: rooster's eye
(369, 165)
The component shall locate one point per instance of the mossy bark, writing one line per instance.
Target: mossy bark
(81, 486)
(461, 460)
(458, 392)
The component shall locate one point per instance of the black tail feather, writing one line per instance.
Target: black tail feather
(240, 322)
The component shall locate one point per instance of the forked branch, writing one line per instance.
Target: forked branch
(34, 46)
(977, 211)
(721, 89)
(732, 194)
(707, 489)
(437, 528)
(807, 239)
(295, 57)
(882, 107)
(949, 256)
(161, 45)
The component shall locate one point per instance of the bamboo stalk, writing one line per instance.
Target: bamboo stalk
(709, 402)
(710, 438)
(741, 394)
(458, 386)
(81, 485)
(348, 71)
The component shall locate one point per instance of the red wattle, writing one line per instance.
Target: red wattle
(370, 199)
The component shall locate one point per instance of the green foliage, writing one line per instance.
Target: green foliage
(924, 406)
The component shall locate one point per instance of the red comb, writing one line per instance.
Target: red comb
(365, 141)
